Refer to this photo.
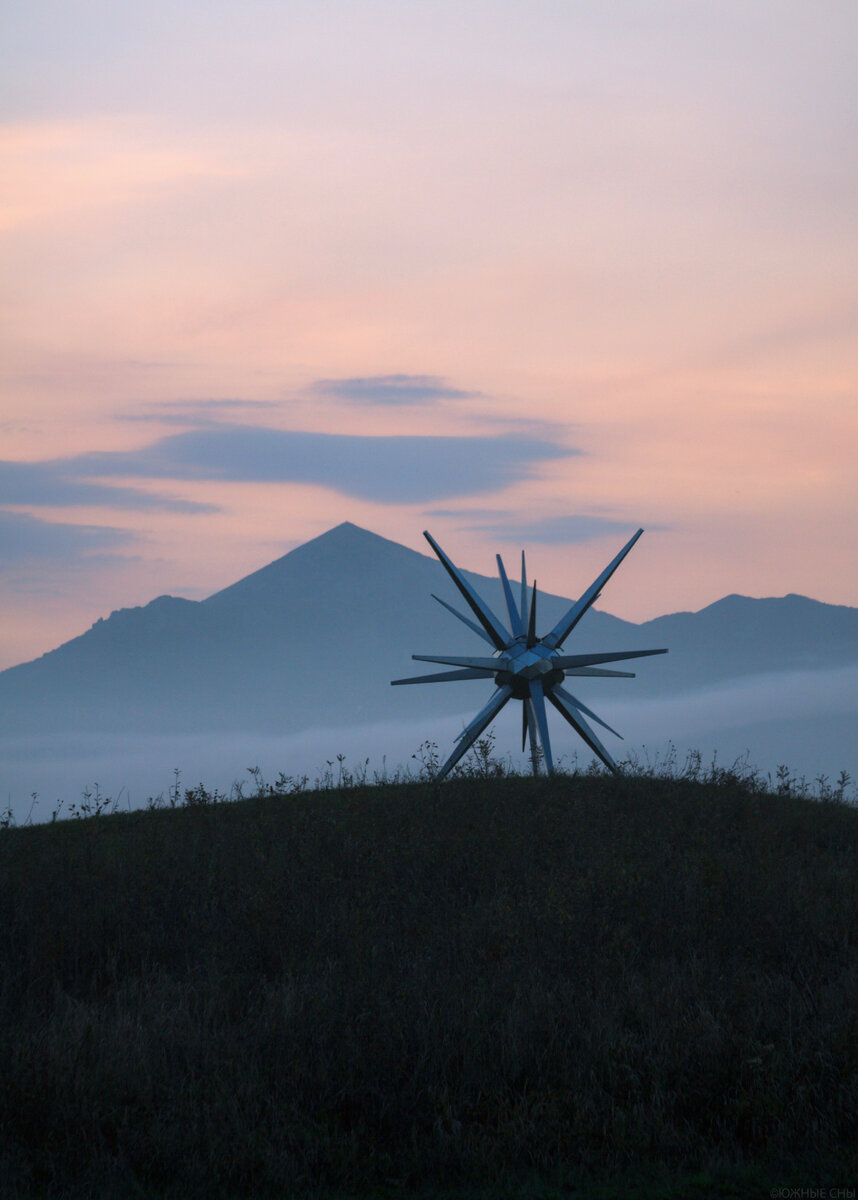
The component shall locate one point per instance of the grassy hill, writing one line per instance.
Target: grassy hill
(577, 986)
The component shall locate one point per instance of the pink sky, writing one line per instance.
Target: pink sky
(620, 245)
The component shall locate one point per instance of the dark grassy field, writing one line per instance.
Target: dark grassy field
(578, 986)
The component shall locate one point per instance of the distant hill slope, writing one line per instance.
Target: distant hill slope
(740, 636)
(315, 637)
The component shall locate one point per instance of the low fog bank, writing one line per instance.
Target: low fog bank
(137, 767)
(807, 720)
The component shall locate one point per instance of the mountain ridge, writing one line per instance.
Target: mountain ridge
(315, 636)
(270, 570)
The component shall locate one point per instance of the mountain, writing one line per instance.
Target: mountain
(314, 638)
(739, 636)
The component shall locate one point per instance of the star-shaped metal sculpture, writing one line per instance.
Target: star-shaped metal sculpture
(526, 667)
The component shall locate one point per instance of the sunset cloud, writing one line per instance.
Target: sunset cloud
(65, 483)
(387, 470)
(389, 389)
(559, 530)
(27, 540)
(195, 413)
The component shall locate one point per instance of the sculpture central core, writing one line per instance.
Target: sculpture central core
(520, 663)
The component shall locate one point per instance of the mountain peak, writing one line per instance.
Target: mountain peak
(349, 534)
(326, 558)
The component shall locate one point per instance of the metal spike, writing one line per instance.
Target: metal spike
(523, 593)
(532, 733)
(478, 607)
(596, 673)
(459, 660)
(567, 623)
(447, 676)
(583, 730)
(465, 744)
(478, 719)
(465, 620)
(537, 697)
(576, 703)
(531, 627)
(564, 662)
(514, 616)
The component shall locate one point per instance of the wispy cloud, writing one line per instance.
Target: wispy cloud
(66, 483)
(389, 389)
(505, 526)
(28, 541)
(387, 470)
(193, 413)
